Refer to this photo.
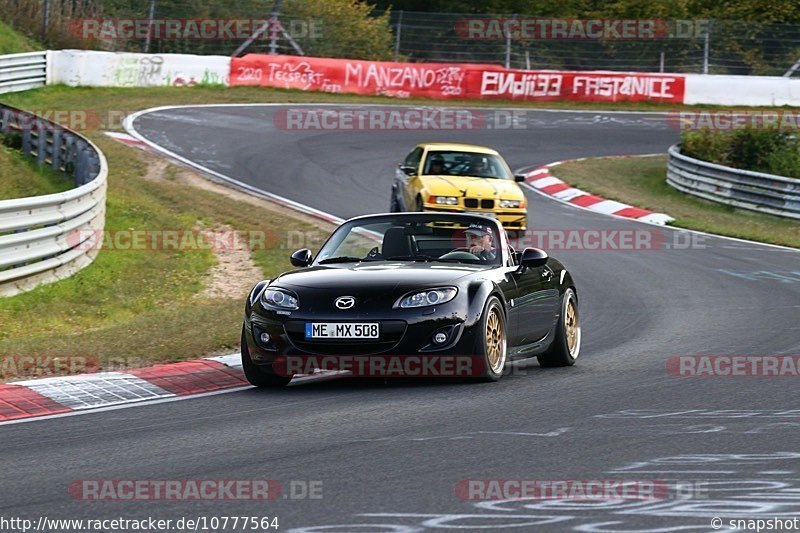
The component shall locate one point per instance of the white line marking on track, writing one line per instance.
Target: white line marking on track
(124, 406)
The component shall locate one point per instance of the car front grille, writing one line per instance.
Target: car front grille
(474, 203)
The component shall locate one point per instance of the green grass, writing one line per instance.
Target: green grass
(142, 306)
(20, 177)
(641, 181)
(12, 42)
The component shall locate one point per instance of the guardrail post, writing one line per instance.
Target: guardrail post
(69, 151)
(56, 149)
(41, 143)
(93, 163)
(83, 164)
(26, 141)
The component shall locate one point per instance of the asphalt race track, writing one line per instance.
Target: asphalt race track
(390, 456)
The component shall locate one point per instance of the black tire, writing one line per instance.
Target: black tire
(394, 205)
(492, 367)
(559, 352)
(257, 375)
(419, 205)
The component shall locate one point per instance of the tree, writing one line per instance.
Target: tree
(341, 28)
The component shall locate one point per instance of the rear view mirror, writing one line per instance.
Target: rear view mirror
(409, 171)
(519, 178)
(301, 258)
(533, 257)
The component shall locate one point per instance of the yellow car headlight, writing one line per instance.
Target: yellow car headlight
(510, 204)
(446, 200)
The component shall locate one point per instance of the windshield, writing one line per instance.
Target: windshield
(447, 163)
(420, 238)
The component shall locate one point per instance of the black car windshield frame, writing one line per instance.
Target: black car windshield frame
(360, 225)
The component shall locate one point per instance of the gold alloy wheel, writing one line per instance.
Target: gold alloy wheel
(495, 340)
(571, 326)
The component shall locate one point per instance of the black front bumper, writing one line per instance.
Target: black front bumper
(288, 351)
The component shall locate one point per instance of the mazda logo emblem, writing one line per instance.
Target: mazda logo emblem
(345, 302)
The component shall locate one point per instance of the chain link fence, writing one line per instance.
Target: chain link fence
(699, 46)
(713, 46)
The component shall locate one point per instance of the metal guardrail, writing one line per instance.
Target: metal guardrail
(756, 191)
(20, 72)
(47, 238)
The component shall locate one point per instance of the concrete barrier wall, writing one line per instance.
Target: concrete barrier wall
(111, 69)
(742, 90)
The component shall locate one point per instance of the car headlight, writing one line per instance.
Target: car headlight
(446, 200)
(510, 204)
(279, 299)
(427, 297)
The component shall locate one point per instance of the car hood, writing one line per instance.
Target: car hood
(472, 187)
(382, 276)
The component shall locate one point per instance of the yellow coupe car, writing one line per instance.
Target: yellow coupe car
(460, 178)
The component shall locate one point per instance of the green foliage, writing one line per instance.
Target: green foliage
(778, 11)
(770, 150)
(26, 18)
(346, 29)
(763, 11)
(705, 144)
(12, 42)
(752, 148)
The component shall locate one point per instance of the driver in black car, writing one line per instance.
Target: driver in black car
(481, 241)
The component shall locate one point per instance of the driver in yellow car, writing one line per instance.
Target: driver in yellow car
(437, 166)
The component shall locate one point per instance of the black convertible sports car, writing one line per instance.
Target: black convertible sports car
(409, 291)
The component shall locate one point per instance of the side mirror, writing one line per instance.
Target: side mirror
(408, 171)
(533, 257)
(301, 258)
(519, 178)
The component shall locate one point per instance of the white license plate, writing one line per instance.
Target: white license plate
(342, 330)
(490, 214)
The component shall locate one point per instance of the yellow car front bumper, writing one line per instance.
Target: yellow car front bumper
(511, 219)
